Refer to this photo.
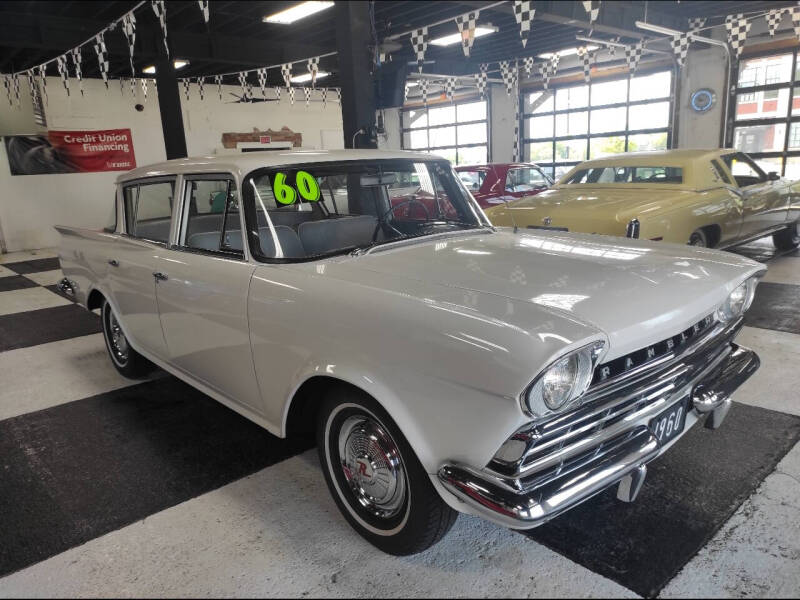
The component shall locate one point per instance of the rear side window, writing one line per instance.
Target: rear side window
(627, 175)
(212, 216)
(721, 172)
(148, 210)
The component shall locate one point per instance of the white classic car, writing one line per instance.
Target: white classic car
(445, 365)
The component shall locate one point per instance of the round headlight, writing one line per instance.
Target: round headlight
(563, 381)
(736, 302)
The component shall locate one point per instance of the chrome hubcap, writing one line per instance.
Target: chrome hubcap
(372, 466)
(119, 344)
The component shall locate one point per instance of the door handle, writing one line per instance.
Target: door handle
(160, 276)
(114, 262)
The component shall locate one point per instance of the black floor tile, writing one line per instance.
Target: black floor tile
(20, 330)
(776, 306)
(34, 266)
(55, 290)
(689, 493)
(16, 282)
(71, 473)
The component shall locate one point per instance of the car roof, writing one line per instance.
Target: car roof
(657, 158)
(490, 165)
(248, 161)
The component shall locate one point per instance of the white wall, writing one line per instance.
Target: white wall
(30, 205)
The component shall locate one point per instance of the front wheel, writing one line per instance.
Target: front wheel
(125, 359)
(698, 238)
(787, 239)
(376, 479)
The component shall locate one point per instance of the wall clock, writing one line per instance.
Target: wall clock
(702, 100)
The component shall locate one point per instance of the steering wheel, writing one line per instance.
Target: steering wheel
(381, 220)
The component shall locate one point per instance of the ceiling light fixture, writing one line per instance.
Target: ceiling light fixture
(307, 77)
(178, 64)
(566, 52)
(455, 38)
(297, 12)
(581, 38)
(657, 28)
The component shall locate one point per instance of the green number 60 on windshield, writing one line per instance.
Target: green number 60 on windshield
(305, 185)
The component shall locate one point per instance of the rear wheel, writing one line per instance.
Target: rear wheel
(698, 238)
(376, 479)
(124, 358)
(787, 239)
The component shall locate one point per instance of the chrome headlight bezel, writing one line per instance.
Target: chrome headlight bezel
(738, 301)
(535, 400)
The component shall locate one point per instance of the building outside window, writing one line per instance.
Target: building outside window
(567, 125)
(767, 118)
(459, 132)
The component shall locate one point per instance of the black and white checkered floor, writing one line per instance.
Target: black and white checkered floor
(116, 488)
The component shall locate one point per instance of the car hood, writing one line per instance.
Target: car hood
(635, 291)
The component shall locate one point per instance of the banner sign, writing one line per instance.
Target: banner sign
(71, 152)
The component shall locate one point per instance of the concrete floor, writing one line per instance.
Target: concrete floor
(232, 541)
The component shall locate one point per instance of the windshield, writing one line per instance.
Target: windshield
(318, 209)
(626, 175)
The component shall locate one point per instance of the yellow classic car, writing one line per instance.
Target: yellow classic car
(714, 198)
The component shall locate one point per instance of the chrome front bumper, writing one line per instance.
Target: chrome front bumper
(511, 503)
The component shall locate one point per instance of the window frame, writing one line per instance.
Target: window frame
(184, 216)
(173, 179)
(455, 125)
(589, 108)
(750, 92)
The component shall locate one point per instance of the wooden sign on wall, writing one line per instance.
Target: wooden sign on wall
(229, 140)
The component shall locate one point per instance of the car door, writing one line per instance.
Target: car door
(136, 254)
(762, 201)
(202, 287)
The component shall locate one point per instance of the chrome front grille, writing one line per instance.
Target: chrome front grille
(614, 409)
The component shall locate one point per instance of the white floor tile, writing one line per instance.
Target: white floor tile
(785, 269)
(278, 533)
(12, 257)
(29, 299)
(49, 374)
(776, 384)
(5, 272)
(756, 553)
(46, 277)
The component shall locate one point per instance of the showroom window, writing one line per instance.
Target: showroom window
(767, 118)
(458, 132)
(566, 125)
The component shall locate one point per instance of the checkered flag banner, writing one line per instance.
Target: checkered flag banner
(508, 72)
(286, 71)
(794, 12)
(76, 64)
(324, 97)
(7, 85)
(544, 73)
(15, 85)
(243, 84)
(527, 63)
(774, 17)
(204, 9)
(450, 87)
(633, 54)
(143, 81)
(523, 13)
(160, 8)
(185, 88)
(592, 7)
(423, 85)
(696, 24)
(218, 81)
(481, 79)
(122, 86)
(680, 46)
(313, 68)
(32, 85)
(132, 81)
(61, 64)
(466, 24)
(43, 79)
(612, 50)
(291, 95)
(200, 82)
(515, 152)
(419, 41)
(129, 29)
(737, 26)
(339, 95)
(262, 81)
(586, 58)
(277, 91)
(307, 94)
(102, 56)
(249, 89)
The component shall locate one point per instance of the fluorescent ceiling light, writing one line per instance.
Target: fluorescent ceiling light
(307, 77)
(566, 52)
(178, 64)
(581, 38)
(455, 38)
(297, 12)
(657, 28)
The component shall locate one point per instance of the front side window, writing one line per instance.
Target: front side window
(212, 216)
(148, 209)
(617, 175)
(744, 170)
(525, 179)
(323, 209)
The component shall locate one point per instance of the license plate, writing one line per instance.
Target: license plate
(669, 424)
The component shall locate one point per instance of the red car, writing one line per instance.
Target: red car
(503, 182)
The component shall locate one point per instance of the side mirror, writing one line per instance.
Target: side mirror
(773, 176)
